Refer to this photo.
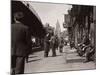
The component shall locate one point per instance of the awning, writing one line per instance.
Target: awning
(31, 18)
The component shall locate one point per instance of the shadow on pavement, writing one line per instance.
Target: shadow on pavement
(33, 56)
(75, 60)
(55, 56)
(34, 60)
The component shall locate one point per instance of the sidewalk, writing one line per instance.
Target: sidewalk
(68, 60)
(75, 61)
(37, 63)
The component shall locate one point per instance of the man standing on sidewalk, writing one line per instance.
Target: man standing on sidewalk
(46, 44)
(20, 41)
(61, 44)
(53, 45)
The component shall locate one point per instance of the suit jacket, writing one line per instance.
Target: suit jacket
(20, 39)
(47, 38)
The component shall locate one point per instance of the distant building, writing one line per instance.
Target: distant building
(58, 29)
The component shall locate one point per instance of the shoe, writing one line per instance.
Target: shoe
(60, 51)
(27, 61)
(86, 61)
(53, 55)
(45, 56)
(13, 72)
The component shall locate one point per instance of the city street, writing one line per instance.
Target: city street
(37, 26)
(68, 60)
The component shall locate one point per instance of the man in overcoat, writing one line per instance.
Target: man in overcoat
(61, 44)
(47, 44)
(53, 45)
(20, 43)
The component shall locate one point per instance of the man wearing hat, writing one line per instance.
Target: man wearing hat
(20, 43)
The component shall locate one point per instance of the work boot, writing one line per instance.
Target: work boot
(46, 55)
(53, 55)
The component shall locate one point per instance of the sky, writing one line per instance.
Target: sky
(50, 12)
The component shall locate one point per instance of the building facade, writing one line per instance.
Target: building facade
(81, 23)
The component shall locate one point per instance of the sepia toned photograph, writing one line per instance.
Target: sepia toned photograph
(52, 37)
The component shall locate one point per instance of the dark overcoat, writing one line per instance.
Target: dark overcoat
(20, 39)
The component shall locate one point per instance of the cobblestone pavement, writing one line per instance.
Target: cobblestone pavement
(66, 61)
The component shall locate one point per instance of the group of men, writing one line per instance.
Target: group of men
(21, 44)
(52, 42)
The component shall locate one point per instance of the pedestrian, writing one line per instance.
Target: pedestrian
(56, 42)
(90, 53)
(61, 44)
(46, 44)
(20, 43)
(53, 45)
